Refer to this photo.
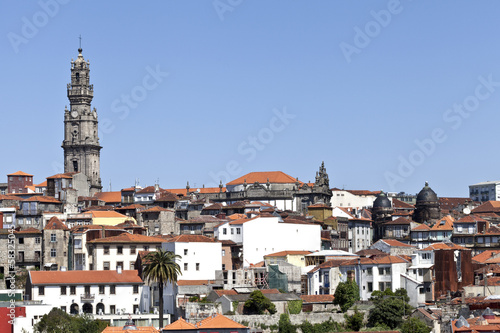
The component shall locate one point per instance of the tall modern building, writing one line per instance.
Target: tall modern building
(81, 143)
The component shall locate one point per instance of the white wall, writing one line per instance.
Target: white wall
(265, 235)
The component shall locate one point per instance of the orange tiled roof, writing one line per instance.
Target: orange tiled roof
(66, 175)
(275, 177)
(44, 184)
(28, 231)
(483, 256)
(132, 206)
(41, 198)
(488, 207)
(243, 220)
(393, 242)
(156, 209)
(83, 277)
(109, 196)
(149, 189)
(218, 321)
(180, 324)
(167, 196)
(221, 292)
(363, 192)
(422, 227)
(317, 298)
(470, 219)
(190, 239)
(285, 253)
(105, 213)
(447, 225)
(398, 204)
(128, 238)
(237, 216)
(194, 282)
(8, 197)
(128, 189)
(383, 260)
(20, 173)
(443, 246)
(55, 224)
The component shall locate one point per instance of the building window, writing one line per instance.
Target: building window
(224, 231)
(197, 266)
(223, 253)
(72, 290)
(21, 240)
(370, 287)
(238, 231)
(232, 231)
(132, 265)
(52, 238)
(132, 250)
(105, 265)
(223, 267)
(119, 264)
(106, 249)
(136, 289)
(53, 253)
(112, 289)
(185, 252)
(146, 248)
(119, 249)
(185, 266)
(370, 270)
(63, 290)
(101, 290)
(63, 308)
(41, 290)
(37, 240)
(112, 309)
(422, 290)
(381, 270)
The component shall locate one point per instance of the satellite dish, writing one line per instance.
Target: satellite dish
(466, 210)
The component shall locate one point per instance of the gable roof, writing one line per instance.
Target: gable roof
(218, 321)
(156, 209)
(180, 324)
(421, 227)
(30, 230)
(105, 213)
(20, 173)
(398, 204)
(488, 207)
(190, 239)
(446, 223)
(83, 277)
(485, 255)
(395, 243)
(147, 329)
(41, 198)
(443, 246)
(55, 224)
(470, 219)
(317, 298)
(286, 253)
(128, 238)
(275, 177)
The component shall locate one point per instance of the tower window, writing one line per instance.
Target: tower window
(75, 166)
(77, 76)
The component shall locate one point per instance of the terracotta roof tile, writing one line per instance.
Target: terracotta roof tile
(286, 253)
(167, 196)
(470, 219)
(44, 184)
(194, 282)
(275, 177)
(317, 298)
(218, 321)
(9, 197)
(190, 239)
(19, 173)
(29, 231)
(398, 204)
(237, 216)
(396, 243)
(128, 238)
(443, 246)
(55, 224)
(133, 206)
(148, 189)
(421, 227)
(156, 209)
(483, 256)
(221, 292)
(105, 213)
(145, 329)
(109, 196)
(488, 207)
(180, 324)
(41, 198)
(446, 223)
(62, 175)
(363, 192)
(83, 277)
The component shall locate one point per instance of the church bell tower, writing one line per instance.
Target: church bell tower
(81, 143)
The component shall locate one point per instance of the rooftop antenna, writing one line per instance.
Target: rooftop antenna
(80, 41)
(110, 185)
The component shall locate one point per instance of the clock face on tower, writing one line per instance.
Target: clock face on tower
(74, 113)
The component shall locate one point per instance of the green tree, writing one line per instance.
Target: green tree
(346, 294)
(58, 321)
(354, 322)
(414, 325)
(161, 267)
(258, 303)
(285, 325)
(390, 308)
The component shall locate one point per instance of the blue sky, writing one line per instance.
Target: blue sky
(389, 94)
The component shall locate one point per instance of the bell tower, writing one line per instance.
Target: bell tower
(81, 143)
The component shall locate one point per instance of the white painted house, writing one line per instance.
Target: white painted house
(266, 234)
(95, 292)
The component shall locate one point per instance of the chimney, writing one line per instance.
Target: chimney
(103, 232)
(119, 269)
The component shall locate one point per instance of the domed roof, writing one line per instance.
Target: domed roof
(427, 194)
(382, 201)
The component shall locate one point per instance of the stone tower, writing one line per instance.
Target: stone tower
(427, 206)
(81, 143)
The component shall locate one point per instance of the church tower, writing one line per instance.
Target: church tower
(81, 143)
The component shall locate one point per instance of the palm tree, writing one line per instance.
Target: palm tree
(161, 267)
